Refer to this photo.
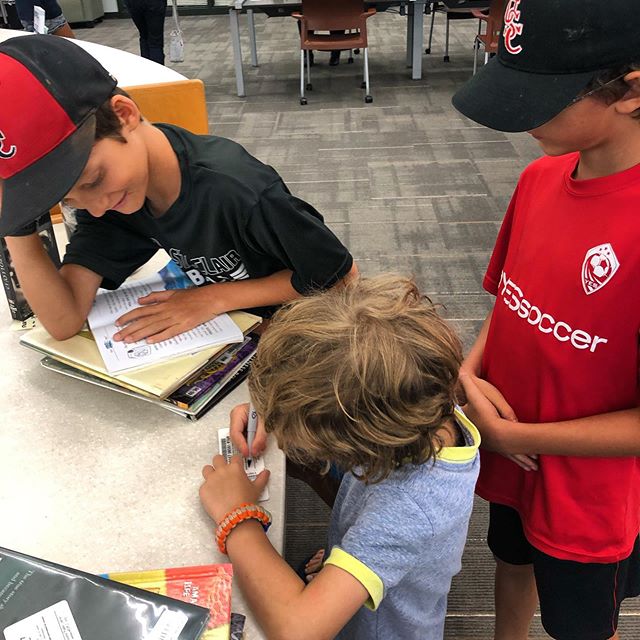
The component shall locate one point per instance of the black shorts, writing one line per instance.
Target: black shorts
(578, 600)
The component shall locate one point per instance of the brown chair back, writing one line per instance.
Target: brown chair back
(333, 15)
(181, 103)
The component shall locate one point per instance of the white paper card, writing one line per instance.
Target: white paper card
(39, 25)
(53, 623)
(169, 626)
(227, 449)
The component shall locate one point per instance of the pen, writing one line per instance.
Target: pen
(252, 425)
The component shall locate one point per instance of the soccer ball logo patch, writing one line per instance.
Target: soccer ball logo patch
(599, 266)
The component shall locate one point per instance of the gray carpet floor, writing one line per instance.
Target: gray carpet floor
(406, 182)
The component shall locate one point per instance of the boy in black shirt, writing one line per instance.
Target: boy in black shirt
(228, 220)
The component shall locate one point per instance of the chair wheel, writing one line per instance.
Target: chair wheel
(368, 99)
(303, 101)
(427, 50)
(363, 85)
(349, 60)
(309, 87)
(445, 59)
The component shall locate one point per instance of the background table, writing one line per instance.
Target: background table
(415, 25)
(128, 68)
(98, 480)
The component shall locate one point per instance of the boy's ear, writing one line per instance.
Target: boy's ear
(630, 102)
(127, 111)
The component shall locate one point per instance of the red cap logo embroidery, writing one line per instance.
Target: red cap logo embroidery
(512, 28)
(599, 266)
(5, 154)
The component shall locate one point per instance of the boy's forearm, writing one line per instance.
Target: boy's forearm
(282, 604)
(50, 296)
(473, 362)
(614, 434)
(254, 292)
(271, 290)
(267, 582)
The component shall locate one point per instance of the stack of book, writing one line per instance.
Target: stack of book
(186, 375)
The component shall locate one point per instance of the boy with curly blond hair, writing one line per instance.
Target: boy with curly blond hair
(362, 376)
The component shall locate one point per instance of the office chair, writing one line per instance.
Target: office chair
(490, 38)
(181, 103)
(340, 17)
(457, 10)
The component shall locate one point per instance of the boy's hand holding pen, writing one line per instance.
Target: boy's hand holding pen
(254, 443)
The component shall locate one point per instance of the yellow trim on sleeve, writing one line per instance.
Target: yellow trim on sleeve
(369, 579)
(468, 452)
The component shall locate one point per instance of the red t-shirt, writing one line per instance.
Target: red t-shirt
(563, 344)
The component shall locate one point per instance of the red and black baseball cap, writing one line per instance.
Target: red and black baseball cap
(548, 53)
(50, 89)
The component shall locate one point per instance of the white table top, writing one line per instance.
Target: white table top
(104, 482)
(128, 68)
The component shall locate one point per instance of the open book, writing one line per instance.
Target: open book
(121, 356)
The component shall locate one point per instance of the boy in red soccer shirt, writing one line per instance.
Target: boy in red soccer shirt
(553, 375)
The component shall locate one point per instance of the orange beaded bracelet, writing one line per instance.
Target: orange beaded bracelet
(245, 511)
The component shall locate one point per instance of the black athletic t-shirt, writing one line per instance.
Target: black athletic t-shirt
(234, 219)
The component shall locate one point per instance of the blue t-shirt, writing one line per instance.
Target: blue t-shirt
(403, 539)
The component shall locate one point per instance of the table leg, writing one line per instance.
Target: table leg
(252, 38)
(234, 29)
(410, 8)
(418, 39)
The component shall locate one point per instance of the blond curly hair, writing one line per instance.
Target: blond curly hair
(362, 376)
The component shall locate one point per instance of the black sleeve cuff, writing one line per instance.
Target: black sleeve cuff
(27, 230)
(305, 288)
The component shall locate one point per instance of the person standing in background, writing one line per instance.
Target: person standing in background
(148, 16)
(54, 18)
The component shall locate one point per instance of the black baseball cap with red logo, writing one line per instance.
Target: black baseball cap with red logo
(548, 53)
(50, 89)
